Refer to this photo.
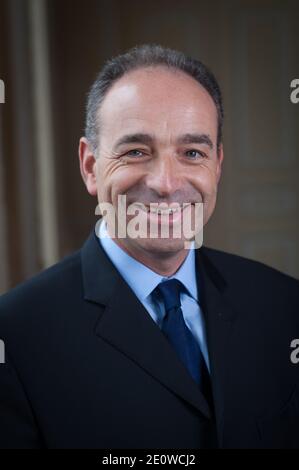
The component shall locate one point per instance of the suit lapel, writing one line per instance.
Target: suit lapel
(127, 326)
(219, 317)
(139, 338)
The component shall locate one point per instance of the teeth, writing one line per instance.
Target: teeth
(156, 210)
(153, 209)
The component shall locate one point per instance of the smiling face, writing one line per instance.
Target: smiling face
(157, 143)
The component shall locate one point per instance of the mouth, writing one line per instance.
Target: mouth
(160, 215)
(158, 209)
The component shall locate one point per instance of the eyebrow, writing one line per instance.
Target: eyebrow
(148, 139)
(196, 139)
(138, 138)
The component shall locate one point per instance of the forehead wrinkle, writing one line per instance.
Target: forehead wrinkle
(160, 123)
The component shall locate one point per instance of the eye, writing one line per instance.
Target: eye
(194, 154)
(135, 153)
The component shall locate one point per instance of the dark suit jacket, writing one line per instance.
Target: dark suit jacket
(87, 367)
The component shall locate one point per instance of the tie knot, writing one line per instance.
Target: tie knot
(170, 292)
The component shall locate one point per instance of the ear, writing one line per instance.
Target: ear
(220, 157)
(88, 166)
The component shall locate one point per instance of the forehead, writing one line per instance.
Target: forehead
(157, 100)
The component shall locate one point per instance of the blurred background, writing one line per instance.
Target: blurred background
(51, 51)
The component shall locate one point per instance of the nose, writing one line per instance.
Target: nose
(164, 176)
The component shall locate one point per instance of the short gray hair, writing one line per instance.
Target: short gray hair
(147, 55)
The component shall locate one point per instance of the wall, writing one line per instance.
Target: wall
(50, 51)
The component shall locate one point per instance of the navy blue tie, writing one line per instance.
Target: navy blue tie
(179, 335)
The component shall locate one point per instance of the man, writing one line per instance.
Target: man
(139, 341)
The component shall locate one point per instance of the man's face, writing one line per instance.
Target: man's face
(158, 143)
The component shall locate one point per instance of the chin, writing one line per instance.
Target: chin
(159, 245)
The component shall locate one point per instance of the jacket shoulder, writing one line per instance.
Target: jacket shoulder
(237, 270)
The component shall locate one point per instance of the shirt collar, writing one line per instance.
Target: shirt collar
(139, 277)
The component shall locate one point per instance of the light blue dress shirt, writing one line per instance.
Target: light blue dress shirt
(142, 280)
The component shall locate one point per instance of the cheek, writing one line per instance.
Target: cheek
(116, 179)
(206, 181)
